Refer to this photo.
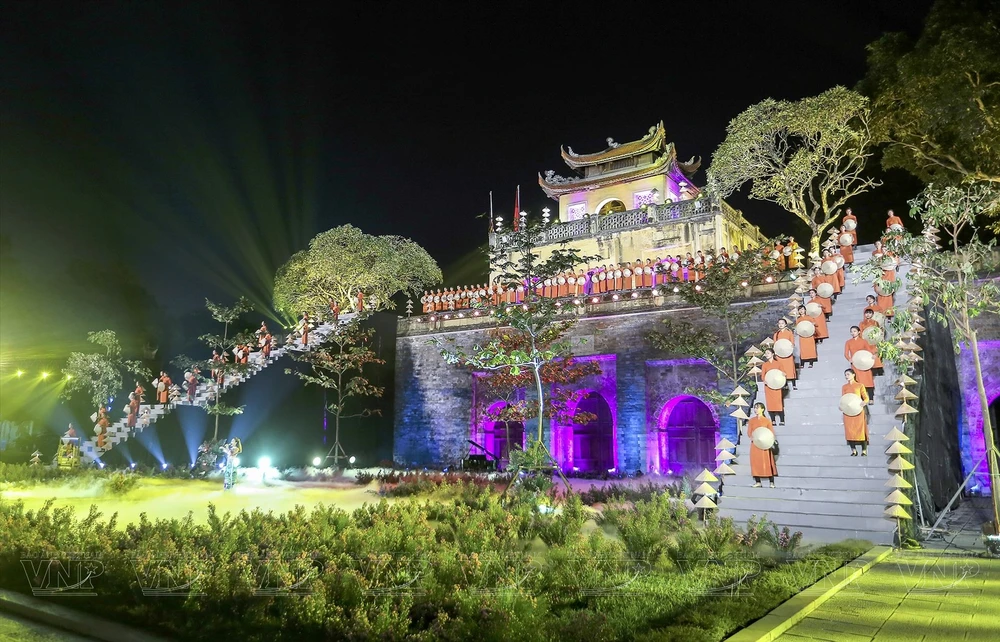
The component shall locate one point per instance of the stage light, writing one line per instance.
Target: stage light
(676, 289)
(768, 279)
(697, 288)
(595, 300)
(264, 462)
(45, 375)
(476, 313)
(447, 316)
(576, 301)
(317, 461)
(744, 283)
(433, 318)
(635, 295)
(101, 464)
(132, 465)
(611, 470)
(68, 377)
(164, 466)
(461, 315)
(614, 297)
(351, 460)
(20, 372)
(558, 304)
(656, 293)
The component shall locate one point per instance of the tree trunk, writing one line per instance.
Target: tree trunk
(541, 408)
(814, 241)
(991, 453)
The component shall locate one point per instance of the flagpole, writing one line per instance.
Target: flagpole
(490, 226)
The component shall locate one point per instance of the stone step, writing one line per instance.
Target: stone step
(764, 505)
(805, 521)
(741, 488)
(818, 536)
(791, 480)
(829, 453)
(832, 473)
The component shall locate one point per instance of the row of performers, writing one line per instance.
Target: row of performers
(603, 279)
(858, 391)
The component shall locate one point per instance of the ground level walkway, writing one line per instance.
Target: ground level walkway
(932, 595)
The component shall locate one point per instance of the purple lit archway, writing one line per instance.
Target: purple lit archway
(685, 438)
(972, 437)
(590, 447)
(497, 437)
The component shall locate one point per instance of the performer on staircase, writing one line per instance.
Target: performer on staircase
(761, 461)
(856, 428)
(787, 364)
(773, 398)
(807, 345)
(853, 345)
(305, 329)
(893, 220)
(849, 216)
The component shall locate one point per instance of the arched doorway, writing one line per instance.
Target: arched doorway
(501, 437)
(688, 432)
(611, 206)
(594, 442)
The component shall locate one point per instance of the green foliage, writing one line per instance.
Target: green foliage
(620, 493)
(646, 526)
(807, 156)
(100, 375)
(936, 100)
(343, 261)
(120, 483)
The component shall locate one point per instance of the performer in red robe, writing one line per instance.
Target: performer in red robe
(849, 216)
(846, 251)
(133, 409)
(140, 392)
(892, 220)
(855, 344)
(856, 428)
(761, 461)
(807, 345)
(305, 328)
(823, 302)
(647, 274)
(361, 301)
(780, 262)
(787, 363)
(822, 332)
(102, 424)
(773, 399)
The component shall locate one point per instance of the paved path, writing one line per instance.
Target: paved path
(17, 629)
(911, 596)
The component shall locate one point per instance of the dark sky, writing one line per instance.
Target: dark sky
(202, 143)
(155, 153)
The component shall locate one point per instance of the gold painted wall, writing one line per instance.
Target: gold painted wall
(623, 192)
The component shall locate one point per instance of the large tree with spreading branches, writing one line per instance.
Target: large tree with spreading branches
(808, 156)
(343, 261)
(936, 99)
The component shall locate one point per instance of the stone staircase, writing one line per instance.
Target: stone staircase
(820, 489)
(119, 432)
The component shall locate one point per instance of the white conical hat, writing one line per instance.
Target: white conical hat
(896, 512)
(724, 444)
(755, 370)
(896, 448)
(775, 379)
(740, 401)
(904, 395)
(898, 463)
(753, 351)
(783, 348)
(739, 413)
(897, 481)
(705, 502)
(896, 435)
(704, 489)
(905, 409)
(706, 476)
(863, 360)
(740, 391)
(725, 455)
(851, 405)
(724, 469)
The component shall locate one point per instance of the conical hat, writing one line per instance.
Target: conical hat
(740, 401)
(898, 497)
(706, 476)
(725, 455)
(705, 502)
(753, 351)
(755, 361)
(897, 481)
(724, 469)
(768, 341)
(704, 489)
(905, 409)
(898, 449)
(740, 391)
(775, 379)
(755, 370)
(725, 444)
(896, 435)
(739, 413)
(906, 380)
(916, 327)
(904, 395)
(896, 512)
(898, 463)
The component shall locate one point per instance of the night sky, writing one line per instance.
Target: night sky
(153, 154)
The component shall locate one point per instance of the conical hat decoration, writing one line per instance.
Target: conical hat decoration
(912, 346)
(795, 298)
(905, 409)
(753, 351)
(705, 502)
(725, 444)
(704, 489)
(904, 395)
(897, 481)
(878, 318)
(814, 310)
(724, 469)
(763, 438)
(873, 334)
(739, 414)
(805, 328)
(863, 360)
(740, 401)
(896, 435)
(768, 341)
(899, 498)
(850, 224)
(755, 370)
(898, 463)
(846, 239)
(897, 448)
(896, 512)
(916, 327)
(725, 455)
(829, 267)
(801, 289)
(783, 348)
(706, 476)
(824, 290)
(787, 251)
(851, 405)
(755, 361)
(906, 380)
(740, 390)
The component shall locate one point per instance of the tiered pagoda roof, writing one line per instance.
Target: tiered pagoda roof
(652, 155)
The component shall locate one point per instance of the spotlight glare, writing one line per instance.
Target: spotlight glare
(20, 372)
(264, 462)
(132, 465)
(317, 461)
(68, 377)
(236, 461)
(45, 375)
(595, 300)
(164, 466)
(351, 460)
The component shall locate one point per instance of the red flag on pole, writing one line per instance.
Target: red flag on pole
(517, 209)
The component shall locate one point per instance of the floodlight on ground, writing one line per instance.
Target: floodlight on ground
(317, 461)
(264, 462)
(351, 460)
(132, 465)
(164, 466)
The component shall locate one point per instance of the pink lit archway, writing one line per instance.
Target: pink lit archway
(687, 430)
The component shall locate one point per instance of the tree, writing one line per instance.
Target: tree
(807, 156)
(949, 283)
(721, 347)
(338, 366)
(343, 261)
(936, 100)
(533, 334)
(222, 344)
(101, 375)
